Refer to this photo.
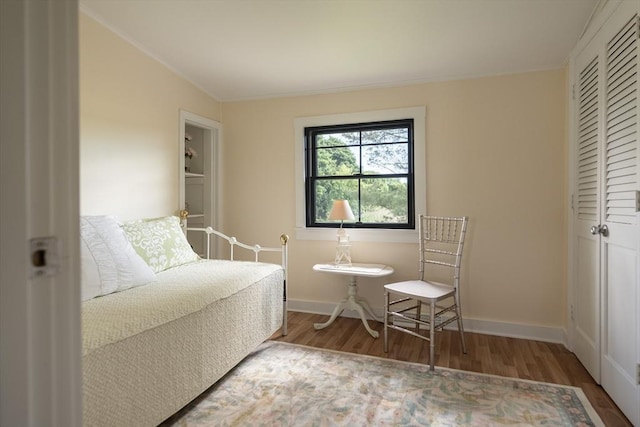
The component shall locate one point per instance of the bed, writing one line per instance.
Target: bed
(150, 349)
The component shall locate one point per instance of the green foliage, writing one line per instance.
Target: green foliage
(382, 155)
(384, 200)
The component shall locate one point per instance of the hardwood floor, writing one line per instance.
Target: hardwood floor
(509, 357)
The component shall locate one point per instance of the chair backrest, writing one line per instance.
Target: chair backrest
(441, 242)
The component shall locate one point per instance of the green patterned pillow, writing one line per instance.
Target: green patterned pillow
(160, 242)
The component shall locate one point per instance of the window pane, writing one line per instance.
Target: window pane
(384, 200)
(385, 136)
(338, 161)
(337, 139)
(328, 190)
(385, 159)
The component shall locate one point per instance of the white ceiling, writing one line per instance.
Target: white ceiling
(246, 49)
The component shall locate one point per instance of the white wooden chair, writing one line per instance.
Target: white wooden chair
(441, 240)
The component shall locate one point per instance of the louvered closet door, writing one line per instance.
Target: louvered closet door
(605, 302)
(585, 310)
(620, 247)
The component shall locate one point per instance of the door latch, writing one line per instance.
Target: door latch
(44, 257)
(600, 229)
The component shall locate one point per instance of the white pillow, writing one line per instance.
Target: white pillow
(109, 262)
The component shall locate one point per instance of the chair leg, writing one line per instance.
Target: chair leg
(460, 327)
(386, 321)
(418, 314)
(432, 335)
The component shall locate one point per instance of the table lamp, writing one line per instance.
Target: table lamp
(341, 211)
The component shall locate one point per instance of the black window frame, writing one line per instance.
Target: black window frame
(310, 135)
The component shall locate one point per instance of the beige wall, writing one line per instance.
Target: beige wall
(129, 124)
(496, 150)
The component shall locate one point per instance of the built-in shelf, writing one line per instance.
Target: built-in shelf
(196, 174)
(198, 163)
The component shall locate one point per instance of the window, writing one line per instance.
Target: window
(361, 234)
(368, 164)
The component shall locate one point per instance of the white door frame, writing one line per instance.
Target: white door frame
(40, 338)
(212, 147)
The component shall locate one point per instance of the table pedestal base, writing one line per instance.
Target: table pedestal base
(352, 302)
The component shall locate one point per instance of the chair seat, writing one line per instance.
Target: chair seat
(421, 289)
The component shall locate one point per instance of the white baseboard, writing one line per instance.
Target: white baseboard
(488, 327)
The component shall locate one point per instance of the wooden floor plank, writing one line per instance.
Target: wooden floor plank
(510, 357)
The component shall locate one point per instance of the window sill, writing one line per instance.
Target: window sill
(359, 235)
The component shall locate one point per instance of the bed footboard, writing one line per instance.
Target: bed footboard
(257, 249)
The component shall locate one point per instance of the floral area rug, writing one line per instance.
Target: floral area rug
(283, 384)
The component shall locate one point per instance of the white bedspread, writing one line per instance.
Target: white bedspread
(121, 315)
(149, 350)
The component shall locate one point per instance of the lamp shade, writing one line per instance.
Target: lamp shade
(341, 210)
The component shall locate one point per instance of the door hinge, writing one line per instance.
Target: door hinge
(572, 318)
(572, 202)
(637, 200)
(573, 92)
(638, 374)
